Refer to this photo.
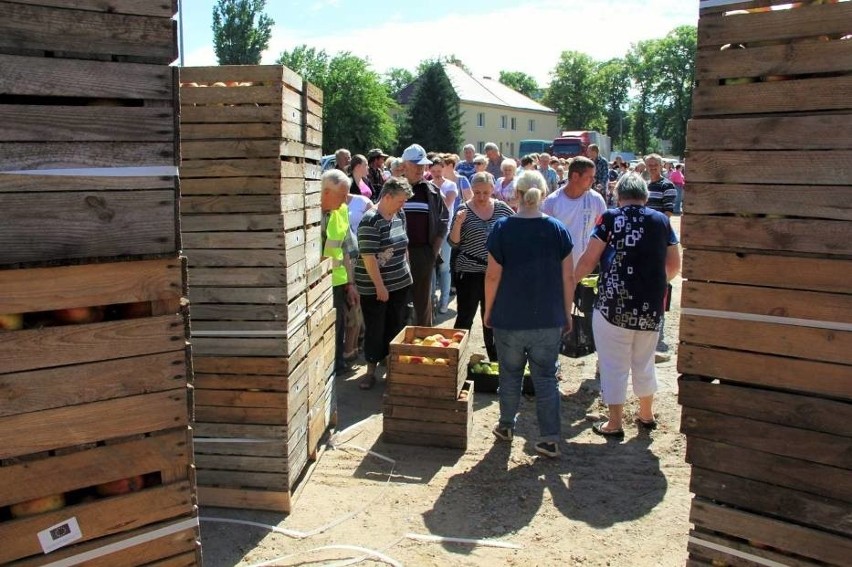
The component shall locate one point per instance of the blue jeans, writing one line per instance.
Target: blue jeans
(539, 347)
(678, 205)
(443, 275)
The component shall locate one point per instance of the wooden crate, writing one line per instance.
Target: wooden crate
(93, 402)
(410, 420)
(322, 416)
(440, 381)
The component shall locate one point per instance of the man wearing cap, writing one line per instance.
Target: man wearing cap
(375, 171)
(426, 219)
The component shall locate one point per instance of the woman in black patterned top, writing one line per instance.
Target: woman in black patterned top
(471, 226)
(382, 274)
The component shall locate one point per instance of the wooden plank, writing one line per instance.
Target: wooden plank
(97, 519)
(244, 499)
(14, 183)
(716, 556)
(253, 295)
(818, 94)
(785, 503)
(242, 114)
(58, 474)
(233, 240)
(393, 425)
(234, 186)
(803, 412)
(241, 430)
(272, 74)
(233, 222)
(159, 8)
(824, 448)
(258, 448)
(244, 367)
(248, 312)
(241, 382)
(425, 415)
(187, 559)
(771, 338)
(426, 439)
(62, 155)
(26, 123)
(780, 59)
(74, 344)
(218, 149)
(823, 202)
(241, 463)
(747, 234)
(242, 276)
(773, 469)
(240, 130)
(76, 425)
(243, 479)
(255, 346)
(233, 204)
(824, 132)
(796, 375)
(797, 304)
(792, 538)
(42, 289)
(22, 392)
(215, 258)
(712, 8)
(771, 167)
(152, 39)
(785, 272)
(777, 25)
(260, 416)
(250, 94)
(240, 398)
(47, 77)
(261, 167)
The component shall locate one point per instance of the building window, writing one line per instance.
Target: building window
(481, 147)
(532, 125)
(501, 148)
(514, 123)
(504, 121)
(480, 119)
(512, 147)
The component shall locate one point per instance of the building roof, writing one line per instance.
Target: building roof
(482, 90)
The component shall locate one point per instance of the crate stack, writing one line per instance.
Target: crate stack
(428, 401)
(766, 328)
(95, 445)
(260, 293)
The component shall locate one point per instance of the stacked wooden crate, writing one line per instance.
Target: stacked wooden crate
(428, 401)
(766, 332)
(260, 295)
(95, 446)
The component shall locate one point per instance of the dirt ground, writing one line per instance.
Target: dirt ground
(602, 502)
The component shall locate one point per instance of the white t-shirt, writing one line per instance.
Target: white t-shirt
(579, 215)
(358, 205)
(449, 187)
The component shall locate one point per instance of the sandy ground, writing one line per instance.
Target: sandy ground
(602, 502)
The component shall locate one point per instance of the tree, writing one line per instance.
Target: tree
(237, 38)
(521, 82)
(572, 93)
(397, 78)
(611, 86)
(356, 105)
(433, 117)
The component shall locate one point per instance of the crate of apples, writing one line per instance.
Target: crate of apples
(438, 340)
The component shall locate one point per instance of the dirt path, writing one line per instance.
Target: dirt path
(600, 503)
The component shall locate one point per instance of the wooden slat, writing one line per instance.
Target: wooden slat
(218, 149)
(240, 463)
(816, 132)
(240, 398)
(240, 131)
(264, 94)
(770, 338)
(815, 94)
(427, 439)
(253, 295)
(713, 8)
(716, 556)
(824, 448)
(265, 416)
(776, 167)
(42, 289)
(246, 276)
(187, 559)
(803, 412)
(263, 448)
(23, 392)
(243, 479)
(159, 8)
(23, 183)
(772, 302)
(259, 167)
(25, 123)
(814, 511)
(753, 234)
(97, 519)
(152, 39)
(244, 499)
(787, 59)
(243, 114)
(242, 186)
(94, 466)
(777, 25)
(45, 77)
(232, 222)
(232, 240)
(263, 347)
(246, 73)
(829, 548)
(237, 258)
(805, 376)
(247, 312)
(244, 367)
(773, 469)
(208, 204)
(63, 155)
(786, 272)
(242, 430)
(822, 202)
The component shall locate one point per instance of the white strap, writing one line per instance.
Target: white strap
(736, 316)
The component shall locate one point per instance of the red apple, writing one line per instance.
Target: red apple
(11, 322)
(458, 336)
(37, 506)
(78, 315)
(121, 486)
(416, 360)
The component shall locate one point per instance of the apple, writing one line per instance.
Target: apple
(78, 315)
(417, 341)
(454, 344)
(442, 362)
(429, 361)
(11, 322)
(444, 342)
(405, 359)
(428, 341)
(458, 336)
(37, 506)
(416, 359)
(121, 486)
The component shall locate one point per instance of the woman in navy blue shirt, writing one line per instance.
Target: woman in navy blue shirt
(529, 289)
(639, 254)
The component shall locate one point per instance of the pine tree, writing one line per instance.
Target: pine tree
(433, 117)
(237, 38)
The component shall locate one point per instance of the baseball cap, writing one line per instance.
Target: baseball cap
(376, 152)
(415, 153)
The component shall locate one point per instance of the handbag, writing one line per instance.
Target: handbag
(580, 341)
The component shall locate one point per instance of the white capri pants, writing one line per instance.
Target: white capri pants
(622, 352)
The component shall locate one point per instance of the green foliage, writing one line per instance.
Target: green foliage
(241, 31)
(572, 93)
(521, 82)
(433, 117)
(611, 85)
(397, 78)
(356, 105)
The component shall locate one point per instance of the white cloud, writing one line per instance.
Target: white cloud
(201, 57)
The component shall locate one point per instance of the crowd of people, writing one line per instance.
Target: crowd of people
(512, 239)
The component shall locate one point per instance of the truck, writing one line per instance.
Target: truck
(574, 143)
(527, 147)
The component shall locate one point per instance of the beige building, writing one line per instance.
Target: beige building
(492, 112)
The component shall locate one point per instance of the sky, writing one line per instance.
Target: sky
(487, 36)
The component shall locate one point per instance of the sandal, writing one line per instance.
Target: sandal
(367, 382)
(650, 425)
(599, 429)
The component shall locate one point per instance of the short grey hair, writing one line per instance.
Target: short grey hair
(470, 147)
(491, 146)
(334, 178)
(397, 186)
(482, 177)
(479, 158)
(509, 162)
(632, 187)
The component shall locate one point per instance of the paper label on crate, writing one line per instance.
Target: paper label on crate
(59, 535)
